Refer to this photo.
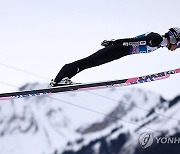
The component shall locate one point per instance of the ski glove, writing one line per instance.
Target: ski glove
(107, 43)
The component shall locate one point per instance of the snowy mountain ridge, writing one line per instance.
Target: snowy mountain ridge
(98, 121)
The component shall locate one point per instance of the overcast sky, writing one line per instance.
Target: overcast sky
(37, 37)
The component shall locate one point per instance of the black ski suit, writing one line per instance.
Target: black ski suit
(117, 49)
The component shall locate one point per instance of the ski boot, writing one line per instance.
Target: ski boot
(63, 82)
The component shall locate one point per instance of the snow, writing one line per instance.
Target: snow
(52, 121)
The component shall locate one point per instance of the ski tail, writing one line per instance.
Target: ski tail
(89, 86)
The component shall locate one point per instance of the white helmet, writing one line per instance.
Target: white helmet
(173, 35)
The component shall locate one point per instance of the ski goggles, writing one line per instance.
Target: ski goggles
(178, 44)
(172, 38)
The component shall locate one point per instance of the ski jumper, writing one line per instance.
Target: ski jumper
(122, 47)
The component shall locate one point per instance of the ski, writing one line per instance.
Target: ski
(89, 86)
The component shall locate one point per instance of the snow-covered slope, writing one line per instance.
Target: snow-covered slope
(99, 121)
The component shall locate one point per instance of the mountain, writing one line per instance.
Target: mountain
(107, 121)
